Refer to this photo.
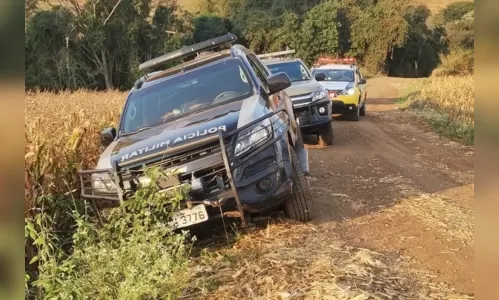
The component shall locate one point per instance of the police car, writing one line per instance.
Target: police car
(222, 122)
(345, 86)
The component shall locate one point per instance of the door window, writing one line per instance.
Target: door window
(359, 76)
(260, 72)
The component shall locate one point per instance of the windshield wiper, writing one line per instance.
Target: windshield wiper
(212, 117)
(136, 131)
(200, 111)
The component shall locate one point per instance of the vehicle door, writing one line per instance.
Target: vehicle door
(278, 100)
(362, 87)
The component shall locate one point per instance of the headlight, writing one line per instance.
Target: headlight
(252, 136)
(319, 95)
(349, 90)
(103, 183)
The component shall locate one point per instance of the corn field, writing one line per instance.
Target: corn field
(62, 136)
(453, 95)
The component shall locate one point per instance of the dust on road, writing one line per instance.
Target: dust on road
(389, 184)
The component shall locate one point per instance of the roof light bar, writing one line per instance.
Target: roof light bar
(188, 50)
(335, 60)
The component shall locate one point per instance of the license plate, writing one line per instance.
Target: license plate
(189, 216)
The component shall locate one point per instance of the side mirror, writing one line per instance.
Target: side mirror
(107, 136)
(320, 76)
(278, 82)
(362, 81)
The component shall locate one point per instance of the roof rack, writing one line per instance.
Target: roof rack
(188, 50)
(276, 54)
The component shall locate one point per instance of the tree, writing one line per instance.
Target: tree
(99, 44)
(259, 23)
(288, 35)
(377, 29)
(208, 26)
(319, 34)
(51, 61)
(456, 11)
(461, 34)
(420, 53)
(103, 31)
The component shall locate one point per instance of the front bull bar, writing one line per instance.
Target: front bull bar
(279, 126)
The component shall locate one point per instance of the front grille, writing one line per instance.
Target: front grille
(210, 176)
(301, 99)
(302, 112)
(181, 158)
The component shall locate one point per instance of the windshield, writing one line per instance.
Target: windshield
(295, 70)
(337, 74)
(184, 94)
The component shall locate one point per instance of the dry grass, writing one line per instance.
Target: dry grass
(442, 214)
(296, 261)
(453, 95)
(448, 104)
(62, 135)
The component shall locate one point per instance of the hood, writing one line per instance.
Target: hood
(172, 134)
(335, 85)
(303, 87)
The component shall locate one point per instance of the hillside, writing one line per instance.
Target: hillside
(190, 5)
(193, 5)
(434, 5)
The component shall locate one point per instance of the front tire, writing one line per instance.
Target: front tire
(355, 116)
(298, 207)
(326, 136)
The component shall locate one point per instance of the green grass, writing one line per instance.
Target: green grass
(444, 125)
(437, 118)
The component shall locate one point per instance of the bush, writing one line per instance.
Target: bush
(457, 10)
(458, 62)
(461, 34)
(134, 255)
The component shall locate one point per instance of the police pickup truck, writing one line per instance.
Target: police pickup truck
(223, 122)
(312, 106)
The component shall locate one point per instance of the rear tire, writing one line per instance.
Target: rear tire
(326, 136)
(298, 207)
(362, 112)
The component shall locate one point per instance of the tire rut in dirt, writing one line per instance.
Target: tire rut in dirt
(300, 205)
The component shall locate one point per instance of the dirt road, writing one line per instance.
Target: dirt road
(393, 219)
(391, 185)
